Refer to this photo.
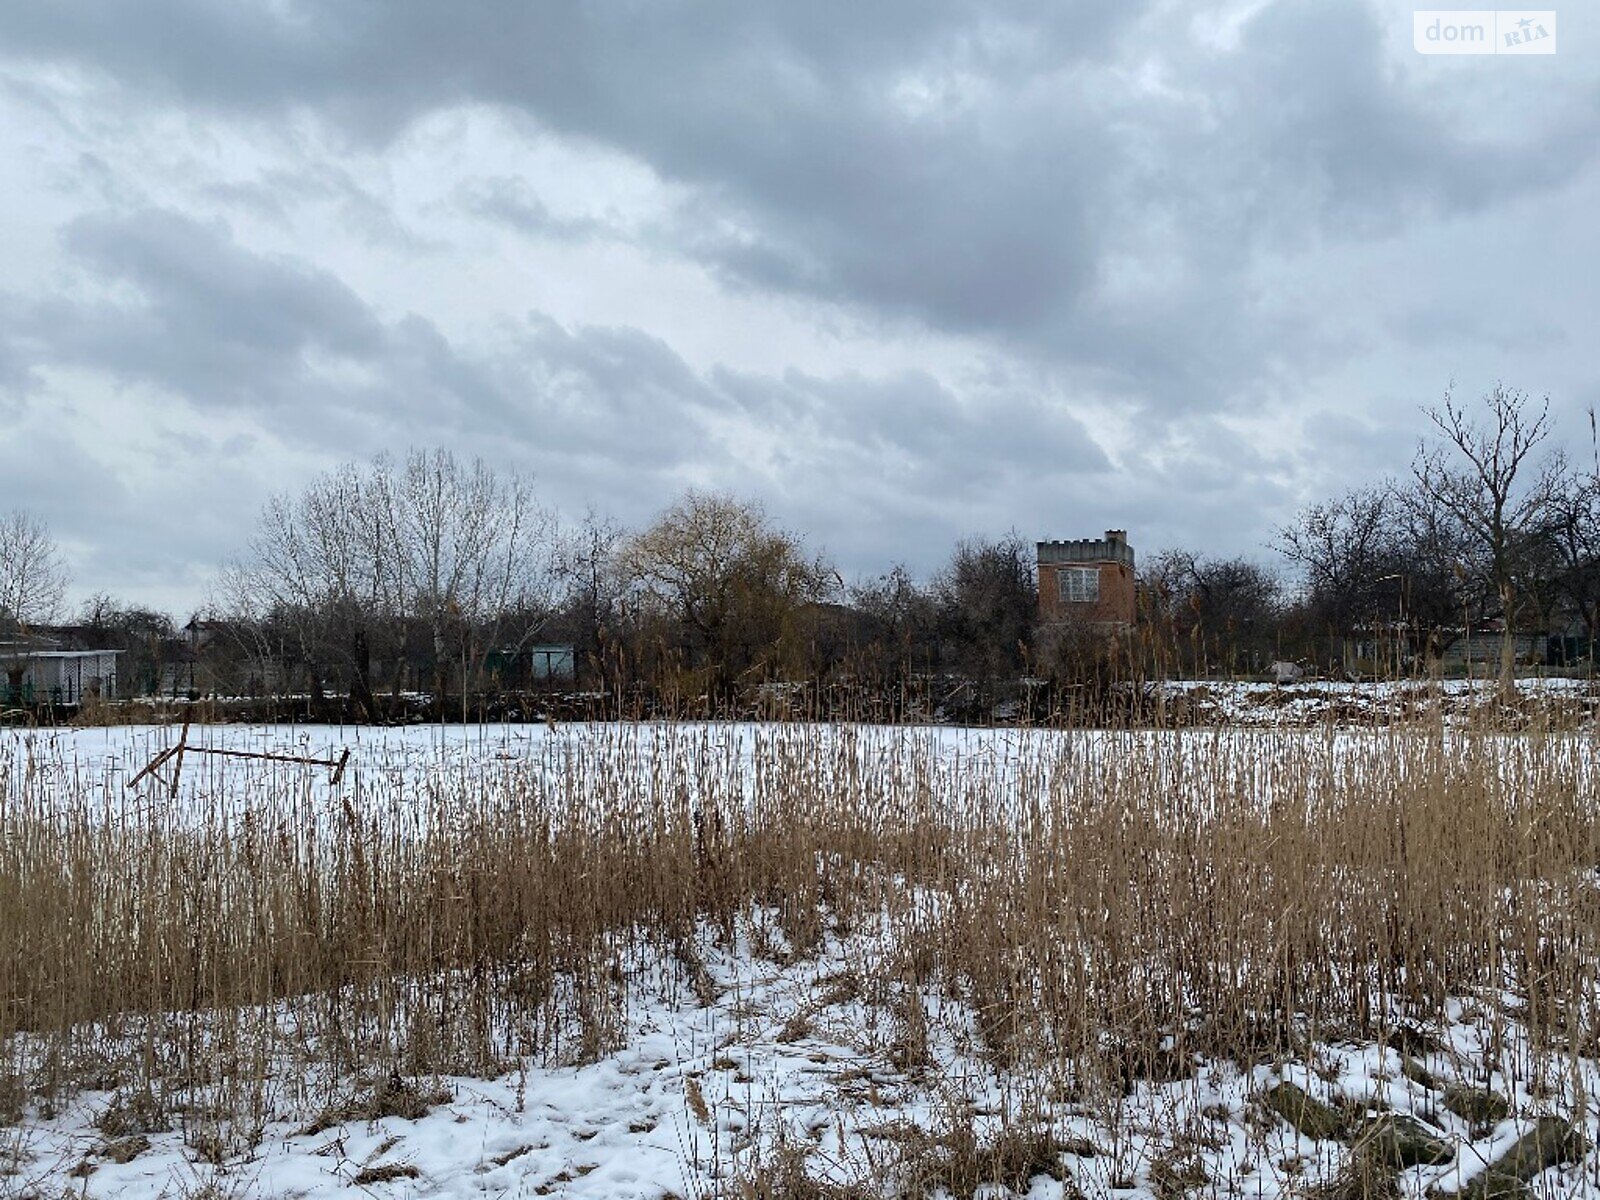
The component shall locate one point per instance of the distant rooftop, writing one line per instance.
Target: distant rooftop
(8, 650)
(1111, 548)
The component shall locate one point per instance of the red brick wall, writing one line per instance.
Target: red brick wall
(1116, 603)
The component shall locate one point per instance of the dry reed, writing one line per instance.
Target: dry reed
(1115, 904)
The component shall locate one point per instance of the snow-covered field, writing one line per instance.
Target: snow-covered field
(754, 1055)
(1316, 701)
(803, 1055)
(90, 768)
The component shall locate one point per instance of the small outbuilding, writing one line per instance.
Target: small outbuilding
(59, 676)
(532, 666)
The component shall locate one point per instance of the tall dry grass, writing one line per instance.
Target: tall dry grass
(1115, 903)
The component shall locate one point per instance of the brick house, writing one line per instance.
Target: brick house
(1088, 580)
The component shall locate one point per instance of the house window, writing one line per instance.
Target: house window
(1079, 585)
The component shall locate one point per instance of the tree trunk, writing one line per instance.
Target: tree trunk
(1508, 646)
(363, 676)
(441, 671)
(1592, 631)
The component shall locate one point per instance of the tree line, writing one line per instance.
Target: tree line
(436, 577)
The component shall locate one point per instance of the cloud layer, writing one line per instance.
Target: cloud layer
(904, 271)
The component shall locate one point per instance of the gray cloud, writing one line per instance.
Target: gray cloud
(976, 166)
(597, 412)
(215, 322)
(512, 201)
(1079, 209)
(197, 315)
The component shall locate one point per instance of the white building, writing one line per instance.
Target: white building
(61, 676)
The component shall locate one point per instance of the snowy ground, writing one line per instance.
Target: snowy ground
(803, 1055)
(1246, 703)
(90, 768)
(781, 1052)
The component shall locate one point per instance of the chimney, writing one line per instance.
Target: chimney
(1117, 537)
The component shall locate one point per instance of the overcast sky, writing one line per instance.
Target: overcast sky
(904, 270)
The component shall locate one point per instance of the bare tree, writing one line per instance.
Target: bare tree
(1573, 532)
(363, 552)
(146, 637)
(33, 577)
(323, 564)
(902, 622)
(588, 571)
(733, 587)
(987, 602)
(1481, 479)
(1223, 612)
(471, 547)
(1370, 558)
(1345, 547)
